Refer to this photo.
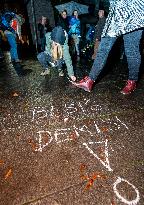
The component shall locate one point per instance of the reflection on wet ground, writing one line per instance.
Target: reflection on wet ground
(63, 146)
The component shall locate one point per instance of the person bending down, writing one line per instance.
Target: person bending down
(126, 19)
(56, 53)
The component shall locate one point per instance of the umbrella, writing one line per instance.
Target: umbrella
(71, 6)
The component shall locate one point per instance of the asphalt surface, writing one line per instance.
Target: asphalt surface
(60, 145)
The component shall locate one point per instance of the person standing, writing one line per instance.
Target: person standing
(10, 34)
(102, 14)
(63, 21)
(16, 24)
(126, 19)
(74, 31)
(43, 28)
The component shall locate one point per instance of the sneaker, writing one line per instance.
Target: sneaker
(46, 72)
(53, 65)
(130, 87)
(61, 73)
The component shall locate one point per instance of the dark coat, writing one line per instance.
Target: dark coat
(64, 23)
(99, 28)
(43, 31)
(5, 21)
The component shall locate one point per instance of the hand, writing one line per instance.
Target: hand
(21, 40)
(73, 78)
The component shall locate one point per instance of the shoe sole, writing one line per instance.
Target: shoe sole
(75, 84)
(126, 93)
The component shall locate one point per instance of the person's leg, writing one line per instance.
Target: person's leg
(102, 55)
(44, 58)
(77, 41)
(99, 62)
(96, 45)
(13, 47)
(132, 52)
(60, 63)
(43, 43)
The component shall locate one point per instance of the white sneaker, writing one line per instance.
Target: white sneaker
(46, 72)
(61, 73)
(52, 64)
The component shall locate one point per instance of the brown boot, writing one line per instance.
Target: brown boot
(86, 84)
(97, 42)
(130, 87)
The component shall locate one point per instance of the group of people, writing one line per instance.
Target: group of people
(55, 43)
(71, 24)
(125, 19)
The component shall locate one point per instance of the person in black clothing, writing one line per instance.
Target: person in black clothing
(92, 17)
(63, 21)
(43, 28)
(102, 14)
(10, 34)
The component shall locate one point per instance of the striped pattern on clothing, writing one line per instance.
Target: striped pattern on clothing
(124, 16)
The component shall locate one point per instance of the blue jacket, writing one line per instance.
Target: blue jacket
(6, 21)
(74, 26)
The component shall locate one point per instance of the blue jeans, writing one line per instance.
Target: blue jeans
(45, 59)
(13, 46)
(131, 49)
(76, 40)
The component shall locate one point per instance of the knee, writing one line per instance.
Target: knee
(40, 56)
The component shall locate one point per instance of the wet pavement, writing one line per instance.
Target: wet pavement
(60, 145)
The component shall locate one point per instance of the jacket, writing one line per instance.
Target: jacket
(66, 54)
(6, 22)
(124, 17)
(64, 23)
(43, 30)
(74, 26)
